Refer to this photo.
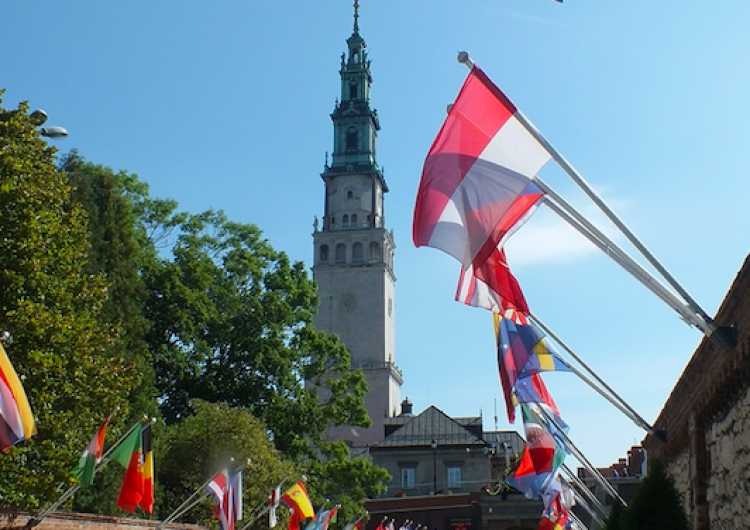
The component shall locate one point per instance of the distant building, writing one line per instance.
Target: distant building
(434, 454)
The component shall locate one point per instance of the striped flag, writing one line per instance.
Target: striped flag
(16, 420)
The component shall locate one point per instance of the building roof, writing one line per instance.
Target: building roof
(432, 424)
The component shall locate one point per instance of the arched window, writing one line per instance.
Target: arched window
(357, 253)
(354, 220)
(353, 91)
(340, 253)
(351, 139)
(345, 221)
(323, 254)
(374, 251)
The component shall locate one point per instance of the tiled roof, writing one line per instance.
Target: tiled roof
(431, 424)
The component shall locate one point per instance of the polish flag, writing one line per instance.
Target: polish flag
(477, 180)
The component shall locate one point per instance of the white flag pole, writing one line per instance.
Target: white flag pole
(584, 489)
(611, 396)
(577, 453)
(723, 338)
(35, 520)
(589, 231)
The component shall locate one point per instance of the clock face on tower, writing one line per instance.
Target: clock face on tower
(348, 302)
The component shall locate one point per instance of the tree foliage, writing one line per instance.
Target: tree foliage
(192, 451)
(231, 321)
(656, 505)
(52, 305)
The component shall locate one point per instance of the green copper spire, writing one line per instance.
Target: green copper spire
(356, 16)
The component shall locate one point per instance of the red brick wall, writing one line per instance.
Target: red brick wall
(82, 521)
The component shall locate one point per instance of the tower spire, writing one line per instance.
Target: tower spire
(356, 16)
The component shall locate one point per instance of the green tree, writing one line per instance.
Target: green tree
(52, 305)
(345, 480)
(656, 505)
(231, 321)
(194, 450)
(614, 520)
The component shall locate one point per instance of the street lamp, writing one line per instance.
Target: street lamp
(39, 117)
(433, 444)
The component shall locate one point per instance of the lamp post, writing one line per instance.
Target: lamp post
(39, 117)
(433, 444)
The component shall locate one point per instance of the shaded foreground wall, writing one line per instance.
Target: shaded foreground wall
(84, 521)
(707, 420)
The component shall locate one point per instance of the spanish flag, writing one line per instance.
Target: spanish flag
(16, 421)
(296, 498)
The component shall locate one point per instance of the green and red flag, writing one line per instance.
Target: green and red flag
(91, 456)
(129, 454)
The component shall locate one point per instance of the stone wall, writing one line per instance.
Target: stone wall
(728, 492)
(707, 450)
(82, 521)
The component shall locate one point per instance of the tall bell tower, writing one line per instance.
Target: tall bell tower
(353, 254)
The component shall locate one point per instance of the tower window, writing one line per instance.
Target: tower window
(351, 139)
(357, 252)
(353, 91)
(374, 252)
(323, 255)
(340, 253)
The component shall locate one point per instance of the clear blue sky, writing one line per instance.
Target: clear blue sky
(226, 105)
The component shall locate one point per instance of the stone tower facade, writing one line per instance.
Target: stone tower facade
(353, 250)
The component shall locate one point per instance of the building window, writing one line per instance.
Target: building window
(323, 257)
(353, 88)
(345, 221)
(354, 220)
(351, 139)
(349, 194)
(407, 477)
(357, 253)
(374, 252)
(454, 477)
(340, 253)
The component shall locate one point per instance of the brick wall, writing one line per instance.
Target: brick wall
(708, 439)
(81, 521)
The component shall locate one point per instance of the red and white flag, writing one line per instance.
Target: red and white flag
(477, 180)
(274, 500)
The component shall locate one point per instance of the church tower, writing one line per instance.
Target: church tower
(353, 255)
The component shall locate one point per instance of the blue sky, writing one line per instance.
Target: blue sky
(226, 105)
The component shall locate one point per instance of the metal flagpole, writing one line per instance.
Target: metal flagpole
(582, 502)
(576, 520)
(577, 453)
(584, 489)
(264, 509)
(621, 403)
(35, 520)
(189, 503)
(722, 338)
(589, 231)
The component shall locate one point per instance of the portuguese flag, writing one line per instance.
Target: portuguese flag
(129, 455)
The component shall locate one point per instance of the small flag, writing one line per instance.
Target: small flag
(16, 420)
(91, 456)
(147, 500)
(296, 498)
(129, 455)
(274, 499)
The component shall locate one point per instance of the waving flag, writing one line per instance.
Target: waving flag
(16, 420)
(476, 184)
(129, 455)
(522, 352)
(274, 500)
(296, 498)
(542, 457)
(220, 489)
(91, 456)
(491, 285)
